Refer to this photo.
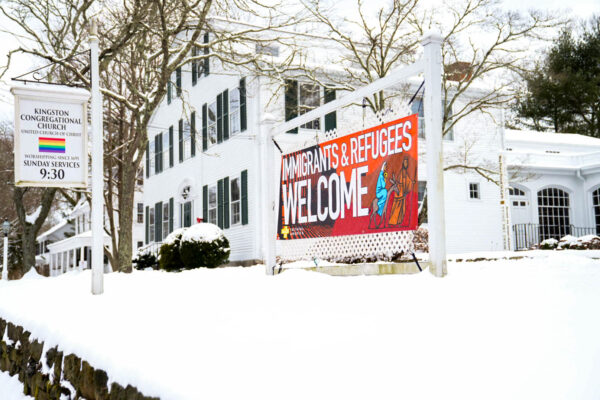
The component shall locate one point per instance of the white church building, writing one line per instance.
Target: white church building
(203, 163)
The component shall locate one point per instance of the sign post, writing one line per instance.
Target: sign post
(97, 169)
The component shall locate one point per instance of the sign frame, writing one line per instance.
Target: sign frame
(57, 94)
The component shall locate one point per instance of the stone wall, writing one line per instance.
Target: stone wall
(50, 374)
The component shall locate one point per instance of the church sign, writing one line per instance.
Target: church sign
(365, 182)
(50, 136)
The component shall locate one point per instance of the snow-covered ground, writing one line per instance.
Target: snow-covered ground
(11, 388)
(518, 329)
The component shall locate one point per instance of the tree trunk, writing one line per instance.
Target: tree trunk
(126, 207)
(28, 230)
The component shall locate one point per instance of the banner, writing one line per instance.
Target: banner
(50, 136)
(361, 183)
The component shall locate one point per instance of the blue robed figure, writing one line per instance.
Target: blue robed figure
(380, 190)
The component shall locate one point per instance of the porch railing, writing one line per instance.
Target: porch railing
(527, 235)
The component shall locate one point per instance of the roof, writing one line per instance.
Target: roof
(53, 229)
(570, 139)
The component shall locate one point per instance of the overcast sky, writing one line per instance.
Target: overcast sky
(576, 8)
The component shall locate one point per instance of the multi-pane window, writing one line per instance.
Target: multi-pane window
(309, 98)
(234, 111)
(212, 123)
(474, 191)
(236, 203)
(165, 220)
(553, 210)
(596, 202)
(417, 107)
(212, 204)
(517, 197)
(151, 224)
(151, 151)
(187, 214)
(165, 151)
(140, 213)
(187, 140)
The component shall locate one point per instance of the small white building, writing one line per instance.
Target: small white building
(555, 185)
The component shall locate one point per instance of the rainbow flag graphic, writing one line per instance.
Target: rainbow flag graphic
(51, 145)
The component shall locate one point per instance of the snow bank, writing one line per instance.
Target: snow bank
(518, 329)
(203, 232)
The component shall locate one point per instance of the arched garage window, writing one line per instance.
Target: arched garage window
(553, 210)
(596, 200)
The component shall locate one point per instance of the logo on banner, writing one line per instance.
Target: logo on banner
(361, 183)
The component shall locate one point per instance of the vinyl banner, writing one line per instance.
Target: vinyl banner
(361, 183)
(50, 137)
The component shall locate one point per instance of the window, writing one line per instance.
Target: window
(140, 213)
(417, 107)
(268, 49)
(152, 159)
(515, 192)
(187, 140)
(187, 214)
(166, 148)
(234, 111)
(309, 98)
(474, 191)
(140, 244)
(517, 197)
(165, 220)
(553, 210)
(236, 201)
(212, 123)
(596, 202)
(212, 204)
(151, 224)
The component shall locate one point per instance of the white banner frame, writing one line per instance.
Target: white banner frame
(55, 94)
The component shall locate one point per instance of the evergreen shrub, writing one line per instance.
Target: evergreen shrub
(170, 259)
(145, 260)
(204, 245)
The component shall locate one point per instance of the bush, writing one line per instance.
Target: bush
(204, 245)
(145, 260)
(170, 259)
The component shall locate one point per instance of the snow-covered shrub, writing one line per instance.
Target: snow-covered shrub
(170, 258)
(204, 245)
(549, 244)
(145, 260)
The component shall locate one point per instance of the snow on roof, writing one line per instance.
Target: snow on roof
(53, 229)
(572, 139)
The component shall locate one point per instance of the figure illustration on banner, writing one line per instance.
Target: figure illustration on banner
(401, 184)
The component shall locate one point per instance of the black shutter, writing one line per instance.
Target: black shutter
(156, 155)
(147, 224)
(148, 159)
(291, 101)
(169, 91)
(204, 127)
(205, 203)
(226, 203)
(245, 197)
(243, 121)
(171, 149)
(219, 118)
(178, 81)
(171, 212)
(194, 67)
(193, 134)
(158, 222)
(206, 60)
(180, 140)
(226, 114)
(331, 118)
(220, 203)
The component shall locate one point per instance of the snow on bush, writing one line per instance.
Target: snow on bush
(587, 242)
(145, 258)
(204, 245)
